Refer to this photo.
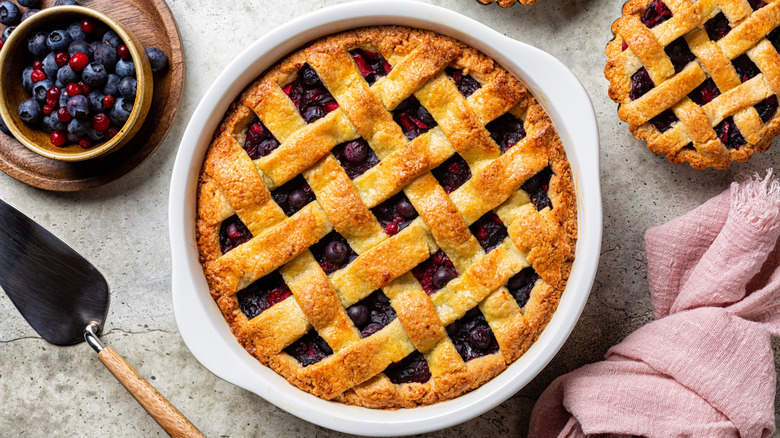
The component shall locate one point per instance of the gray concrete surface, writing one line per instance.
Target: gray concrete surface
(122, 228)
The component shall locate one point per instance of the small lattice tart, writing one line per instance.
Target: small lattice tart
(386, 218)
(698, 80)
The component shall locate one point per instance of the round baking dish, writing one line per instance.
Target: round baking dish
(200, 322)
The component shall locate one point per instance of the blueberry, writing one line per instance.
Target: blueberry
(313, 113)
(120, 112)
(30, 111)
(356, 152)
(65, 3)
(157, 58)
(63, 97)
(52, 123)
(112, 84)
(37, 44)
(78, 106)
(297, 198)
(95, 75)
(406, 209)
(359, 314)
(7, 32)
(480, 338)
(27, 3)
(112, 39)
(125, 68)
(58, 41)
(127, 88)
(75, 31)
(96, 99)
(443, 276)
(73, 138)
(66, 75)
(50, 66)
(27, 81)
(106, 55)
(29, 13)
(96, 135)
(80, 46)
(40, 88)
(4, 129)
(336, 252)
(309, 76)
(9, 13)
(371, 329)
(78, 127)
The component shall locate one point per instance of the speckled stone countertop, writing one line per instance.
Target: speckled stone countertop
(122, 228)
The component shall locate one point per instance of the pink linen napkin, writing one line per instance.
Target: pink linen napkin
(705, 366)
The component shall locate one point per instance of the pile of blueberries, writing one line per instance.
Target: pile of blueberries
(83, 80)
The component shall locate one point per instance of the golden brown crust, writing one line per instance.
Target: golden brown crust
(233, 184)
(694, 139)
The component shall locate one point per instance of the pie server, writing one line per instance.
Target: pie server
(65, 299)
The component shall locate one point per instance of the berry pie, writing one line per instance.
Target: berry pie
(508, 3)
(698, 80)
(386, 218)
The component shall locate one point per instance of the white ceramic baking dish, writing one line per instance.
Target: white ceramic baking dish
(201, 324)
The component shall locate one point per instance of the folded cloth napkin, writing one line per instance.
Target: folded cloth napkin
(705, 366)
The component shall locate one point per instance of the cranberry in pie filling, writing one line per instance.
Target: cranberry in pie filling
(395, 214)
(411, 369)
(452, 173)
(232, 233)
(310, 96)
(489, 231)
(656, 13)
(414, 119)
(729, 134)
(259, 141)
(434, 273)
(371, 64)
(262, 294)
(704, 93)
(465, 83)
(472, 336)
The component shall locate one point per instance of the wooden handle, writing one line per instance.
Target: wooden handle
(163, 412)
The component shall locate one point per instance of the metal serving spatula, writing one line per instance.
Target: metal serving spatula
(65, 299)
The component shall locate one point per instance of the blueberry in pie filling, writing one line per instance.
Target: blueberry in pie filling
(695, 80)
(386, 217)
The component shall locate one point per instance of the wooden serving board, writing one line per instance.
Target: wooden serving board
(153, 25)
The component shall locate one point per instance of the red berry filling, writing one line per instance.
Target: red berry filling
(434, 273)
(411, 369)
(395, 214)
(767, 108)
(262, 294)
(705, 92)
(332, 252)
(745, 68)
(656, 13)
(489, 231)
(472, 336)
(355, 157)
(309, 349)
(717, 27)
(259, 141)
(521, 284)
(640, 84)
(310, 96)
(774, 38)
(371, 64)
(664, 121)
(729, 134)
(294, 195)
(506, 131)
(232, 233)
(413, 118)
(452, 173)
(679, 53)
(537, 187)
(465, 83)
(372, 313)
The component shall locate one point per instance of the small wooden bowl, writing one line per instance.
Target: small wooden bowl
(14, 58)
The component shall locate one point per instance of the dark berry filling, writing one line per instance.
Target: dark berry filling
(309, 349)
(434, 273)
(411, 369)
(729, 134)
(623, 46)
(767, 108)
(465, 83)
(705, 92)
(372, 313)
(262, 294)
(756, 4)
(232, 233)
(452, 173)
(472, 336)
(746, 69)
(537, 187)
(679, 53)
(310, 96)
(655, 14)
(395, 214)
(294, 195)
(489, 231)
(259, 140)
(717, 27)
(506, 131)
(372, 65)
(521, 284)
(355, 157)
(640, 84)
(774, 38)
(333, 252)
(413, 118)
(664, 121)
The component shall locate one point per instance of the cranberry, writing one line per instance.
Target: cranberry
(232, 233)
(53, 93)
(391, 228)
(123, 52)
(656, 13)
(63, 115)
(729, 134)
(108, 101)
(465, 83)
(111, 133)
(623, 46)
(640, 84)
(100, 122)
(414, 119)
(78, 61)
(37, 65)
(452, 173)
(371, 64)
(412, 369)
(489, 231)
(58, 138)
(262, 294)
(47, 109)
(1, 44)
(37, 75)
(85, 143)
(73, 89)
(705, 92)
(61, 59)
(88, 25)
(425, 271)
(52, 102)
(85, 88)
(259, 141)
